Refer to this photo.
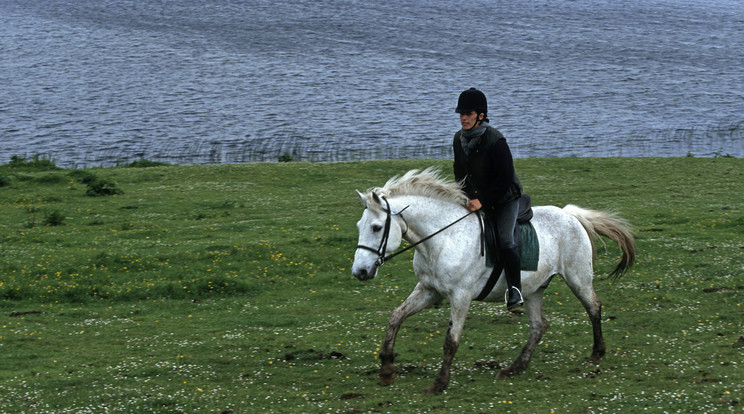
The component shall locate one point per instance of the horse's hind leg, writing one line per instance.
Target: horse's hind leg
(533, 305)
(593, 307)
(418, 300)
(582, 288)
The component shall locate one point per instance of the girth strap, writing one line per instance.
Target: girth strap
(492, 279)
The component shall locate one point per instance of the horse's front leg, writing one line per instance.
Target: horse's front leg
(458, 313)
(418, 300)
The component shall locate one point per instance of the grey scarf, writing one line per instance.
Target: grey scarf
(469, 138)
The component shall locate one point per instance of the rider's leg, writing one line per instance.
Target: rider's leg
(506, 221)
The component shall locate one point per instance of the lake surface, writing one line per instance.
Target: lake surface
(96, 82)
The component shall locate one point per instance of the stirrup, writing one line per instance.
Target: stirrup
(513, 298)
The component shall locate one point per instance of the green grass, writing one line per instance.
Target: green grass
(228, 289)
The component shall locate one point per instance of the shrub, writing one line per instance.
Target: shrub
(82, 176)
(36, 163)
(4, 180)
(286, 158)
(54, 218)
(101, 187)
(50, 179)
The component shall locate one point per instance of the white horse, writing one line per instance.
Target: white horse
(449, 265)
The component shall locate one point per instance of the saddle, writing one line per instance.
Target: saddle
(524, 236)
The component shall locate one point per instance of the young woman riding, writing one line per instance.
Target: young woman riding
(484, 166)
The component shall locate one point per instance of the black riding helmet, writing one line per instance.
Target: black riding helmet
(472, 100)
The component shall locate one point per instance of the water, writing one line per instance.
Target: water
(96, 82)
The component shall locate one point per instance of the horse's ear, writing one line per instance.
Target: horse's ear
(376, 198)
(363, 198)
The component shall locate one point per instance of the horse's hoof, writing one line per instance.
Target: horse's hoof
(506, 373)
(387, 379)
(593, 360)
(434, 389)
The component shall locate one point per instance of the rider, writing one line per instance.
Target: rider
(484, 166)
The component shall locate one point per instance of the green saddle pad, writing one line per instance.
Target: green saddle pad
(530, 248)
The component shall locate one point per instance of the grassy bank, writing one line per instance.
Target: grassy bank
(227, 288)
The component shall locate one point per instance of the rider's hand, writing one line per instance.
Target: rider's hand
(474, 205)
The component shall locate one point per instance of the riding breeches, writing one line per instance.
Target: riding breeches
(505, 219)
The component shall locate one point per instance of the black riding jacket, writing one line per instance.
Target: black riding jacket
(487, 173)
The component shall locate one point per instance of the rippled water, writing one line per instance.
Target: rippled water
(95, 82)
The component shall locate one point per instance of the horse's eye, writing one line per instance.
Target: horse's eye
(376, 228)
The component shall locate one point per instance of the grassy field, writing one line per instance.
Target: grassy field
(227, 288)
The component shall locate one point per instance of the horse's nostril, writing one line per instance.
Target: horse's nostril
(363, 273)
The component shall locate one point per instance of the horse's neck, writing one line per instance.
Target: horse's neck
(428, 215)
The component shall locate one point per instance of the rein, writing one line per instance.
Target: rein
(386, 236)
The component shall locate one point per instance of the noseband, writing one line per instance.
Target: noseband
(382, 248)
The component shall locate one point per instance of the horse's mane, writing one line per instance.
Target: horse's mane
(426, 183)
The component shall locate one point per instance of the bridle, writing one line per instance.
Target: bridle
(382, 248)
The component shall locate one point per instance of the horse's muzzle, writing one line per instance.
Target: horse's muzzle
(364, 274)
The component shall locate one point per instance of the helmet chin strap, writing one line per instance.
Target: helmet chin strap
(478, 121)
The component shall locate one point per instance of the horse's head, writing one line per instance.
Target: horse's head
(380, 232)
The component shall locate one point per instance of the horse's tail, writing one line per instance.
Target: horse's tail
(601, 223)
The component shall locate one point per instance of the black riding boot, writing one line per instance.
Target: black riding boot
(511, 258)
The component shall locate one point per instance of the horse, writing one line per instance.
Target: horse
(428, 211)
